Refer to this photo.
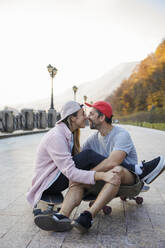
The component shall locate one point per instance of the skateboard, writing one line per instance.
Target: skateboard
(52, 200)
(57, 199)
(107, 209)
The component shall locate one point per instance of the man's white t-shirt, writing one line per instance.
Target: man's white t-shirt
(118, 139)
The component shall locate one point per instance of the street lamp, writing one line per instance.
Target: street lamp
(75, 88)
(52, 71)
(85, 99)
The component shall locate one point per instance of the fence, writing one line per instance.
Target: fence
(27, 119)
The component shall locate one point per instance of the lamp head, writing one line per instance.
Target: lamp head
(75, 88)
(50, 68)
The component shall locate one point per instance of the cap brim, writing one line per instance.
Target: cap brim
(89, 105)
(57, 122)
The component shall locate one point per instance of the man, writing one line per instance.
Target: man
(116, 145)
(109, 139)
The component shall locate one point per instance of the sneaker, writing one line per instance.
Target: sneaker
(83, 222)
(56, 222)
(152, 169)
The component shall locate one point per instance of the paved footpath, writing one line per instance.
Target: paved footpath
(129, 225)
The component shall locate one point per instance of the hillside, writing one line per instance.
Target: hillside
(144, 90)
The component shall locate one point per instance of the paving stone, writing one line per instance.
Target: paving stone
(6, 223)
(74, 239)
(47, 240)
(16, 240)
(142, 238)
(113, 241)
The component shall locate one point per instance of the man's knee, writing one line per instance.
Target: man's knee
(126, 176)
(118, 170)
(116, 176)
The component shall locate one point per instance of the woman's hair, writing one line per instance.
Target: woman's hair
(76, 142)
(76, 134)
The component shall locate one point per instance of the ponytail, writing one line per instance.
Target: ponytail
(76, 135)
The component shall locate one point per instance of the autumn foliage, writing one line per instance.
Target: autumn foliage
(145, 88)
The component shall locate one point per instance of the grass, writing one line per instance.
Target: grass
(159, 126)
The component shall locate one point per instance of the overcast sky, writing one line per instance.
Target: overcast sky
(83, 39)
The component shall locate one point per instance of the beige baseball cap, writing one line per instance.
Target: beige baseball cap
(69, 108)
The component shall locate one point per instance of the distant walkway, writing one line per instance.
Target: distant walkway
(129, 225)
(4, 135)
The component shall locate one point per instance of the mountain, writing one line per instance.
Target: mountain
(95, 90)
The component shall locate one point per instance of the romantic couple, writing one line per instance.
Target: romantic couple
(106, 162)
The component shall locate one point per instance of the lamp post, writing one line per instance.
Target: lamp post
(85, 99)
(52, 71)
(75, 88)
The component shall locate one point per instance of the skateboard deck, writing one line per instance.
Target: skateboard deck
(107, 209)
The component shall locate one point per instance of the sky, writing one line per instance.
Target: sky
(83, 39)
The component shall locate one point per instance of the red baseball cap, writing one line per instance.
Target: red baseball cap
(103, 107)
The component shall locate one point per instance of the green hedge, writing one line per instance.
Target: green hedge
(159, 126)
(153, 116)
(151, 119)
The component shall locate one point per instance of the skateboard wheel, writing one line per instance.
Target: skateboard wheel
(123, 198)
(107, 210)
(139, 200)
(37, 211)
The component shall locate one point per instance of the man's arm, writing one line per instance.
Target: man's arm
(114, 159)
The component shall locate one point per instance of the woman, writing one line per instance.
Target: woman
(59, 159)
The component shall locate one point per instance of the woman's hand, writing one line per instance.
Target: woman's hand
(112, 176)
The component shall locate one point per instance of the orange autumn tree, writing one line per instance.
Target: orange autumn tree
(144, 88)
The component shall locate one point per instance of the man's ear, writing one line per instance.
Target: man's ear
(102, 118)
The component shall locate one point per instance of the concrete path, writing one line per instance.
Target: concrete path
(129, 225)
